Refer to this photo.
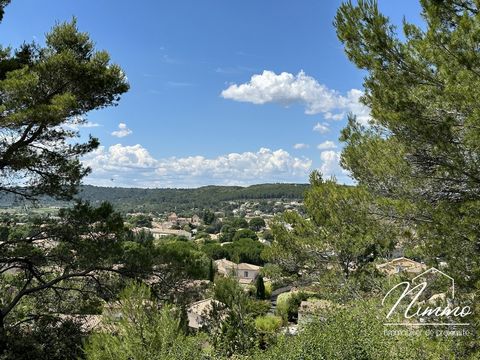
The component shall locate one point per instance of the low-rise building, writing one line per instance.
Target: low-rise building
(244, 272)
(247, 273)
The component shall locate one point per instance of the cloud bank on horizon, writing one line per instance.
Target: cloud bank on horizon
(121, 165)
(288, 89)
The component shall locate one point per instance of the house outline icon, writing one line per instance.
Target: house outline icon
(434, 270)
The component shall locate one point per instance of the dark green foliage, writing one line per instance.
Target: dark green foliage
(183, 258)
(260, 286)
(421, 154)
(422, 88)
(267, 235)
(227, 232)
(245, 234)
(245, 250)
(49, 339)
(63, 265)
(236, 333)
(215, 251)
(211, 271)
(86, 242)
(208, 217)
(214, 227)
(77, 248)
(42, 89)
(238, 223)
(140, 220)
(3, 3)
(256, 224)
(215, 198)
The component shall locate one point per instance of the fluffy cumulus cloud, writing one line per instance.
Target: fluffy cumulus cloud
(122, 131)
(287, 89)
(118, 157)
(300, 146)
(133, 166)
(327, 145)
(330, 166)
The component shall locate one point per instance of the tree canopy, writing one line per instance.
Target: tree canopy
(45, 93)
(420, 151)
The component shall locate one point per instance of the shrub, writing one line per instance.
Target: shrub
(268, 323)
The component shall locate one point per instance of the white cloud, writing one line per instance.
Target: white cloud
(120, 158)
(321, 128)
(89, 124)
(330, 165)
(301, 146)
(353, 104)
(336, 117)
(327, 145)
(122, 131)
(286, 89)
(77, 126)
(134, 166)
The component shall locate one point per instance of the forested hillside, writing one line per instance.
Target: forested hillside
(160, 200)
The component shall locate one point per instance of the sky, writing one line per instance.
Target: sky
(222, 92)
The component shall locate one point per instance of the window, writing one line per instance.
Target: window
(245, 274)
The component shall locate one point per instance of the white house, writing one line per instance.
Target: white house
(247, 273)
(244, 272)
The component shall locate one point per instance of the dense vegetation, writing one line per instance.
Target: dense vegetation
(163, 200)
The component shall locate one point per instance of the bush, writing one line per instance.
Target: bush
(256, 224)
(258, 307)
(268, 323)
(353, 332)
(142, 332)
(266, 327)
(268, 289)
(288, 304)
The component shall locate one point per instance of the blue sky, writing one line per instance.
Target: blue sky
(222, 92)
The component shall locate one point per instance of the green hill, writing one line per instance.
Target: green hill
(180, 200)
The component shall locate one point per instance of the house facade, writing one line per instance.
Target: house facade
(244, 272)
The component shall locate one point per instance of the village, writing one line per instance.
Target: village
(294, 306)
